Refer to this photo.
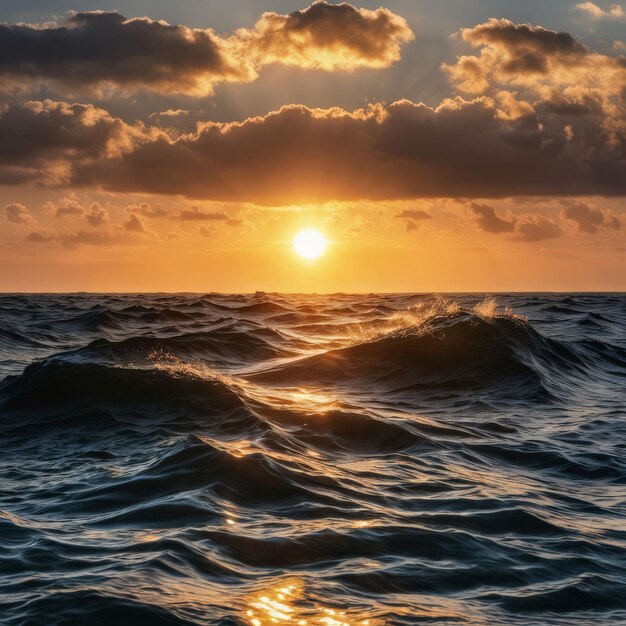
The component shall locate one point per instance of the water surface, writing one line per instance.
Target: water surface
(332, 460)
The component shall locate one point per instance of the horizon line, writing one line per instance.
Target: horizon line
(306, 293)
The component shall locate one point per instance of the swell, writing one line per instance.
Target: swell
(92, 397)
(460, 351)
(53, 392)
(229, 344)
(384, 459)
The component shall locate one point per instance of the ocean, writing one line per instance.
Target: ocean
(312, 459)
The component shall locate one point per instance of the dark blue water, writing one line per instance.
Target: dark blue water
(331, 460)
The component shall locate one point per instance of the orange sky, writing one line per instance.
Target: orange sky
(370, 249)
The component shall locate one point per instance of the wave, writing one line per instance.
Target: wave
(10, 339)
(459, 351)
(228, 343)
(60, 392)
(92, 607)
(384, 459)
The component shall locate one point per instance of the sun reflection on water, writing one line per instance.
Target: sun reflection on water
(285, 602)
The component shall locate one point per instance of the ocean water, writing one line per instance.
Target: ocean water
(312, 460)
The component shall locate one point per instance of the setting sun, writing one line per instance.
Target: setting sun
(310, 244)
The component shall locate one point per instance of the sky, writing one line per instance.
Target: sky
(453, 146)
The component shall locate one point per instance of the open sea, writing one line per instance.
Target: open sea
(299, 460)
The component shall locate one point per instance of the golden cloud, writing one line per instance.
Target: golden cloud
(549, 123)
(327, 37)
(526, 67)
(99, 49)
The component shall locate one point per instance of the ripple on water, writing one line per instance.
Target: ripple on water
(322, 460)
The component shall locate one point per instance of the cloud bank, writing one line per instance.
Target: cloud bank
(404, 150)
(525, 227)
(589, 219)
(99, 49)
(549, 120)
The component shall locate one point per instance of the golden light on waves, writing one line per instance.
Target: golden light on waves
(284, 603)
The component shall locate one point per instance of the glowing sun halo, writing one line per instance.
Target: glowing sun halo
(310, 244)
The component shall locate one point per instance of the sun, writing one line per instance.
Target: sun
(310, 244)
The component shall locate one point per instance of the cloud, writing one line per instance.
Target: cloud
(66, 207)
(235, 222)
(80, 238)
(589, 218)
(403, 150)
(489, 221)
(18, 214)
(40, 236)
(147, 210)
(97, 215)
(99, 49)
(91, 238)
(40, 140)
(327, 37)
(176, 113)
(537, 227)
(511, 50)
(414, 214)
(96, 48)
(613, 11)
(196, 215)
(549, 70)
(524, 226)
(550, 123)
(135, 224)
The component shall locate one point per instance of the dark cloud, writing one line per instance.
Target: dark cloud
(527, 48)
(537, 227)
(589, 218)
(135, 224)
(405, 150)
(95, 48)
(39, 140)
(524, 226)
(564, 135)
(101, 49)
(489, 221)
